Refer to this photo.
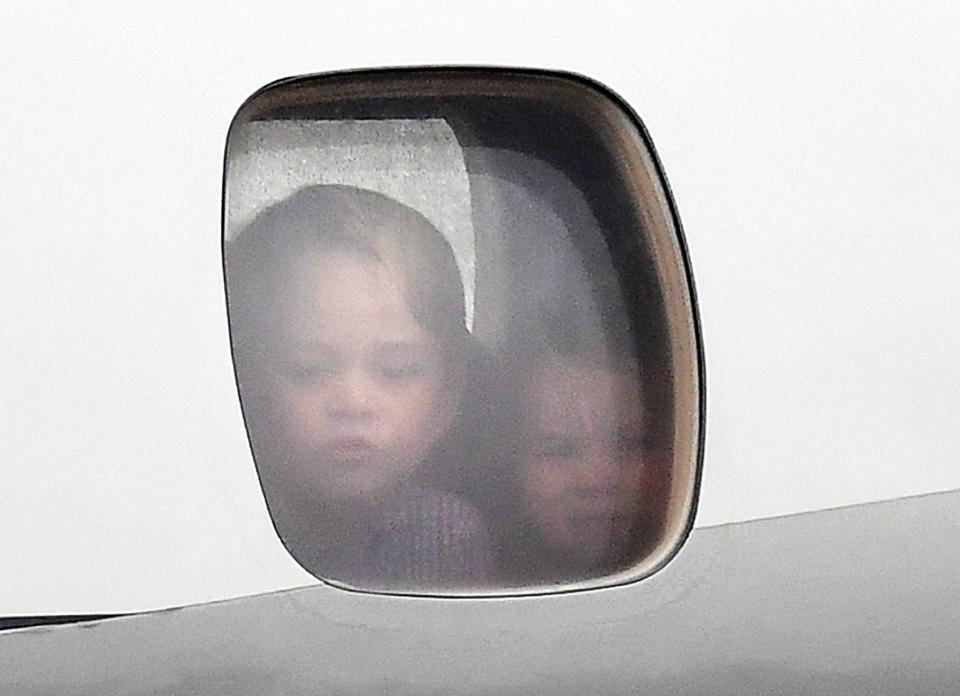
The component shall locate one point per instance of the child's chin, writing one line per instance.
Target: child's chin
(362, 487)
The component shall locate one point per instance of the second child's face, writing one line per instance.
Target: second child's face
(586, 472)
(358, 389)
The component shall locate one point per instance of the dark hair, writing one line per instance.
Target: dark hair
(350, 219)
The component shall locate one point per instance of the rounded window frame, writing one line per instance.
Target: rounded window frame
(661, 232)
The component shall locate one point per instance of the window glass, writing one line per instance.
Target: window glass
(463, 331)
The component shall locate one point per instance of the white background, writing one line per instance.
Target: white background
(814, 159)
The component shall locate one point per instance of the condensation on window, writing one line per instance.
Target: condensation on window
(415, 161)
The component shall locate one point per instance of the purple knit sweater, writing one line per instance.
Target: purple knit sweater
(423, 540)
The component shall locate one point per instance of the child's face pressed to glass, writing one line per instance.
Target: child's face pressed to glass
(358, 388)
(585, 473)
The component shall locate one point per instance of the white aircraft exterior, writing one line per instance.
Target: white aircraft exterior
(813, 158)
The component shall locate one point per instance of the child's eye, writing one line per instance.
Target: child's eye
(632, 444)
(559, 448)
(401, 372)
(307, 374)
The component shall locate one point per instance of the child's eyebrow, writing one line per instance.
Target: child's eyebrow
(632, 428)
(402, 346)
(553, 436)
(312, 345)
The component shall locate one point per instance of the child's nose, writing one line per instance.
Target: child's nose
(354, 396)
(599, 471)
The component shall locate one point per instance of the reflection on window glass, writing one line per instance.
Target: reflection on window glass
(457, 364)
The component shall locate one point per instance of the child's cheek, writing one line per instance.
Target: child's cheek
(649, 478)
(543, 487)
(415, 412)
(301, 415)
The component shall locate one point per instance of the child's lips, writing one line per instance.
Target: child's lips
(599, 515)
(598, 526)
(350, 448)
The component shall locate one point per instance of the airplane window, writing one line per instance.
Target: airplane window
(463, 331)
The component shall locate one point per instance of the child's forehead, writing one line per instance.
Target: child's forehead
(586, 373)
(578, 391)
(341, 259)
(330, 278)
(342, 292)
